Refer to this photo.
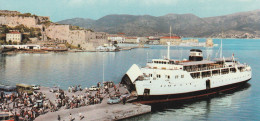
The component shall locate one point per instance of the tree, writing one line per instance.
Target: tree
(2, 42)
(10, 42)
(39, 34)
(24, 41)
(15, 43)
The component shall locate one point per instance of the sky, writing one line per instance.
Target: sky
(95, 9)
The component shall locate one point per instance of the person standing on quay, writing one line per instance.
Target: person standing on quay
(71, 117)
(58, 117)
(124, 100)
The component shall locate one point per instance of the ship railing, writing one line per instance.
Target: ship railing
(203, 69)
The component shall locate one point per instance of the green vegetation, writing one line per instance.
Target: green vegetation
(20, 15)
(76, 28)
(46, 23)
(90, 30)
(3, 42)
(79, 28)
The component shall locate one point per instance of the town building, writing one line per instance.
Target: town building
(131, 40)
(174, 40)
(14, 36)
(209, 42)
(153, 40)
(116, 38)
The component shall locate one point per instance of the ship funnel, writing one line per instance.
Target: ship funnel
(195, 55)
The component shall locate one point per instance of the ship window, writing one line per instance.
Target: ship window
(182, 76)
(158, 76)
(164, 62)
(151, 75)
(176, 77)
(167, 76)
(171, 62)
(233, 70)
(224, 71)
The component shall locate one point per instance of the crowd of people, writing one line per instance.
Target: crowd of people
(22, 105)
(28, 107)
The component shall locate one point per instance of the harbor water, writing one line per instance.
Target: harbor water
(86, 69)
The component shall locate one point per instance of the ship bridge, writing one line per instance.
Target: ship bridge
(165, 64)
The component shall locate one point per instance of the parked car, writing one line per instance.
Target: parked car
(113, 100)
(36, 87)
(38, 104)
(24, 88)
(93, 88)
(54, 89)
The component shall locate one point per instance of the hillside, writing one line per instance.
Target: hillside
(187, 25)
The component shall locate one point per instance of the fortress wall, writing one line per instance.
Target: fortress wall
(13, 21)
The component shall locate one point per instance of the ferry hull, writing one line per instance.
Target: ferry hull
(149, 99)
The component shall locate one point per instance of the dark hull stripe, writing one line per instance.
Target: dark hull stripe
(187, 96)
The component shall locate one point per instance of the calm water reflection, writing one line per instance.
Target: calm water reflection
(65, 69)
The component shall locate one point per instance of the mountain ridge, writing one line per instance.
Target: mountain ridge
(186, 25)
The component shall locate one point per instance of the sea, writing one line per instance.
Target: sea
(89, 68)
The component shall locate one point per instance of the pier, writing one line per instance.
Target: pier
(101, 111)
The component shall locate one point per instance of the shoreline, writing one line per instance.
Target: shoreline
(22, 51)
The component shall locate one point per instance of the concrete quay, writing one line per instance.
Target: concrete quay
(100, 112)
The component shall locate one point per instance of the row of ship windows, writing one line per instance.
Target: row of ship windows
(195, 85)
(174, 85)
(166, 76)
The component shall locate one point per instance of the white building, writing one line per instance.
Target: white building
(117, 38)
(14, 36)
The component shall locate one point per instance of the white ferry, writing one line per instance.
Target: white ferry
(163, 80)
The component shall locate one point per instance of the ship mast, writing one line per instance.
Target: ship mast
(220, 54)
(169, 43)
(168, 53)
(170, 33)
(103, 70)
